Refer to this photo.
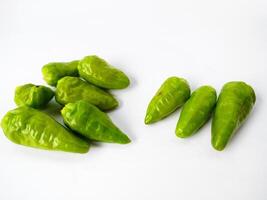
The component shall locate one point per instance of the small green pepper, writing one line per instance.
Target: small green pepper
(196, 111)
(98, 72)
(234, 104)
(89, 121)
(71, 89)
(172, 94)
(54, 71)
(30, 127)
(33, 95)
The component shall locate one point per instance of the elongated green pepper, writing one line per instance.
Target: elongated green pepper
(196, 111)
(30, 127)
(98, 72)
(234, 104)
(72, 89)
(36, 96)
(89, 121)
(172, 94)
(54, 71)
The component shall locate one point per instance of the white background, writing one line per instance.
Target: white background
(204, 41)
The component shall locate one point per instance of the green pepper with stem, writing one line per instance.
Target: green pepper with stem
(30, 127)
(196, 111)
(54, 71)
(98, 72)
(235, 102)
(71, 89)
(89, 121)
(36, 96)
(172, 94)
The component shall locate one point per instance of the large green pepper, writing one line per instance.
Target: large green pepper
(89, 121)
(33, 95)
(234, 105)
(196, 111)
(71, 89)
(54, 71)
(98, 72)
(172, 94)
(30, 127)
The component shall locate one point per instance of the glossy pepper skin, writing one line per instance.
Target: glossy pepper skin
(35, 96)
(72, 89)
(234, 104)
(98, 72)
(196, 111)
(54, 71)
(30, 127)
(172, 94)
(89, 121)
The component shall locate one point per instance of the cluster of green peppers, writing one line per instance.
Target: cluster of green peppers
(231, 109)
(81, 88)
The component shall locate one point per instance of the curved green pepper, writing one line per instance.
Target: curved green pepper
(196, 111)
(33, 95)
(72, 89)
(30, 127)
(234, 104)
(98, 72)
(172, 94)
(89, 121)
(54, 71)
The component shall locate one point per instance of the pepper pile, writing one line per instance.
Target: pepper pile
(81, 88)
(234, 104)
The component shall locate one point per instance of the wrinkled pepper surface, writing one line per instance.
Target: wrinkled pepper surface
(98, 72)
(234, 104)
(196, 111)
(30, 127)
(72, 89)
(54, 71)
(172, 94)
(89, 121)
(36, 96)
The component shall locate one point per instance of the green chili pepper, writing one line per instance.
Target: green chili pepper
(234, 104)
(98, 72)
(30, 127)
(54, 71)
(33, 95)
(89, 121)
(196, 111)
(71, 89)
(172, 94)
